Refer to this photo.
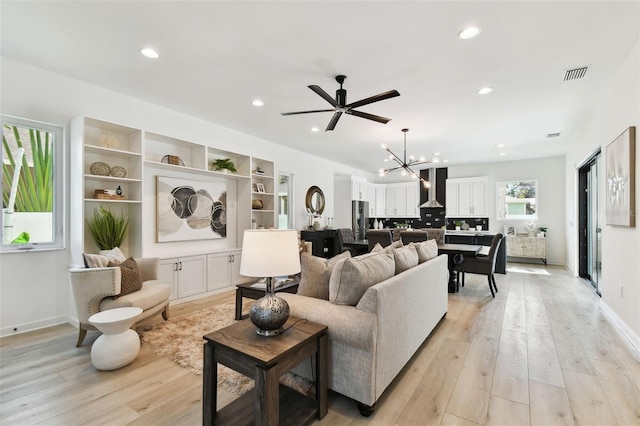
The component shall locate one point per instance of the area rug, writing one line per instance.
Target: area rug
(180, 339)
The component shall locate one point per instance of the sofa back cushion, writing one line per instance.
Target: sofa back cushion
(315, 273)
(130, 278)
(426, 250)
(352, 277)
(405, 258)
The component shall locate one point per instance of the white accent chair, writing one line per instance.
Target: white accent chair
(94, 290)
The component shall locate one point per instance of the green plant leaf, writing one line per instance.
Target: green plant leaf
(107, 230)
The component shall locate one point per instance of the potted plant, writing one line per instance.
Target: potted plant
(222, 164)
(107, 230)
(542, 231)
(458, 224)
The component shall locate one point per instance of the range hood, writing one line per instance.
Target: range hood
(432, 203)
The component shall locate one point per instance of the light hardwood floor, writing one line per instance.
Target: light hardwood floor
(541, 353)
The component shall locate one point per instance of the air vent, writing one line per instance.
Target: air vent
(575, 73)
(553, 135)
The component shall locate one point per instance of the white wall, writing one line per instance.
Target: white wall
(549, 172)
(34, 288)
(620, 246)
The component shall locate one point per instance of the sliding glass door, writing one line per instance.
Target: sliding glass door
(590, 237)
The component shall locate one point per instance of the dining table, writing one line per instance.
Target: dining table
(456, 254)
(361, 246)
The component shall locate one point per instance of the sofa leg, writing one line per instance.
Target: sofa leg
(81, 334)
(365, 410)
(165, 313)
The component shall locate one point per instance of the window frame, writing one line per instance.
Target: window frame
(58, 176)
(501, 213)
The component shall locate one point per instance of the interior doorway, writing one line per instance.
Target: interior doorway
(285, 197)
(590, 233)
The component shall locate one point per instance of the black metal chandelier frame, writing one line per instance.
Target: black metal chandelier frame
(404, 164)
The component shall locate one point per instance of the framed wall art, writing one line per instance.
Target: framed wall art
(620, 179)
(190, 210)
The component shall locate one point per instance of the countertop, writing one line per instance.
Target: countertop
(470, 232)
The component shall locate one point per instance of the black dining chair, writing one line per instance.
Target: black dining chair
(482, 265)
(346, 235)
(382, 236)
(413, 236)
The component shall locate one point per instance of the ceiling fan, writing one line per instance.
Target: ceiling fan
(340, 105)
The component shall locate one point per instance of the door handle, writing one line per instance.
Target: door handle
(180, 266)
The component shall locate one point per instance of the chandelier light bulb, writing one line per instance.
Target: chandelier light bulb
(403, 173)
(426, 184)
(421, 159)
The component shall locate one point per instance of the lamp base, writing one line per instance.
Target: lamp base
(268, 314)
(269, 333)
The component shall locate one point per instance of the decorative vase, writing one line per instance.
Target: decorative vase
(269, 313)
(457, 228)
(317, 226)
(375, 224)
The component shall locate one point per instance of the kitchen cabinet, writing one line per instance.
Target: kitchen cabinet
(467, 197)
(377, 200)
(223, 270)
(186, 275)
(531, 247)
(482, 240)
(401, 200)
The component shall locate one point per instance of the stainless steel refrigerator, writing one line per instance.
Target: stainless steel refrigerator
(360, 218)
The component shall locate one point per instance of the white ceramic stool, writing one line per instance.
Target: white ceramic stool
(118, 345)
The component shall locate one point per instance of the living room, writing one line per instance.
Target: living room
(32, 91)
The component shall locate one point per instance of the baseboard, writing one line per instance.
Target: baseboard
(622, 326)
(36, 325)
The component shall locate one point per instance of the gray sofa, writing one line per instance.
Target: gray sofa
(371, 341)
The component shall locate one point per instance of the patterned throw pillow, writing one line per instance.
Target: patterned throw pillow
(102, 261)
(316, 273)
(131, 280)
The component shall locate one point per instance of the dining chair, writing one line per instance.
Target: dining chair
(482, 265)
(382, 236)
(413, 236)
(346, 235)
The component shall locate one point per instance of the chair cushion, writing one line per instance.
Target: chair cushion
(352, 277)
(426, 250)
(405, 258)
(130, 278)
(315, 274)
(151, 294)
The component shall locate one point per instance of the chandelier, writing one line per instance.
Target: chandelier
(405, 165)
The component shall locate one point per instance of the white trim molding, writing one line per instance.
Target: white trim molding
(622, 326)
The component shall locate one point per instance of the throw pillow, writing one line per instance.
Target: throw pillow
(378, 247)
(95, 260)
(116, 255)
(352, 277)
(426, 250)
(315, 274)
(405, 258)
(130, 278)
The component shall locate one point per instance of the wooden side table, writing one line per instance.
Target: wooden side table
(265, 359)
(245, 290)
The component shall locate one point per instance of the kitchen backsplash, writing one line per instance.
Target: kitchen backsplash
(472, 222)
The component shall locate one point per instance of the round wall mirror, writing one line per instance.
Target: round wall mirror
(315, 200)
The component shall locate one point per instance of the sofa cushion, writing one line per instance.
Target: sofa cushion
(378, 247)
(405, 258)
(102, 260)
(352, 277)
(130, 278)
(315, 274)
(426, 250)
(151, 294)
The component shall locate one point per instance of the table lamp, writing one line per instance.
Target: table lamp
(269, 253)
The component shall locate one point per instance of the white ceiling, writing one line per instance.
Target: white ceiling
(216, 57)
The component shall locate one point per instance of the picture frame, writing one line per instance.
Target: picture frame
(620, 180)
(510, 230)
(259, 187)
(254, 187)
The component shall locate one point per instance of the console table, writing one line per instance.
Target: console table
(265, 359)
(531, 247)
(325, 242)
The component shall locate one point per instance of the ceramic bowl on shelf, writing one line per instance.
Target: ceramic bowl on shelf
(117, 171)
(100, 169)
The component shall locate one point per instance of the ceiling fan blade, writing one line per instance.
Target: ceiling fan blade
(377, 118)
(333, 122)
(375, 98)
(327, 97)
(306, 112)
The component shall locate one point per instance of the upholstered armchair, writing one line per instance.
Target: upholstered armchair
(97, 289)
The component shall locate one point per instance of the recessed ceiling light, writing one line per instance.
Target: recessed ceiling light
(502, 154)
(469, 32)
(257, 102)
(315, 129)
(445, 161)
(485, 90)
(500, 145)
(436, 153)
(150, 53)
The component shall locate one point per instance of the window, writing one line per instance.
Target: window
(32, 185)
(517, 200)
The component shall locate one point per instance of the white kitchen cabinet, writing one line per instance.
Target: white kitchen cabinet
(467, 197)
(402, 200)
(223, 270)
(187, 275)
(376, 198)
(345, 190)
(531, 247)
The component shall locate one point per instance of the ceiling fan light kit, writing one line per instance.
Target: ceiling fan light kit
(340, 105)
(403, 165)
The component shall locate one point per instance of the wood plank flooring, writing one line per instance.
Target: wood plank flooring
(541, 353)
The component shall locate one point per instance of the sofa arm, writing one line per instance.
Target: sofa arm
(90, 286)
(148, 267)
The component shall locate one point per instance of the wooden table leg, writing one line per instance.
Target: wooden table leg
(267, 397)
(238, 304)
(322, 376)
(209, 386)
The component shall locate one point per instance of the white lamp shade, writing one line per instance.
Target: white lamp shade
(270, 253)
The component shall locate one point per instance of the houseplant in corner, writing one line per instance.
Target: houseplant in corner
(222, 164)
(107, 230)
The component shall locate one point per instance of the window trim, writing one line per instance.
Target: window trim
(501, 202)
(59, 179)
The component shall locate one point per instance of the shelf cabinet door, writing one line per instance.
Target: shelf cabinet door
(412, 198)
(192, 275)
(452, 199)
(168, 273)
(219, 272)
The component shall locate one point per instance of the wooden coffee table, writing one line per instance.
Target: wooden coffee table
(245, 290)
(265, 359)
